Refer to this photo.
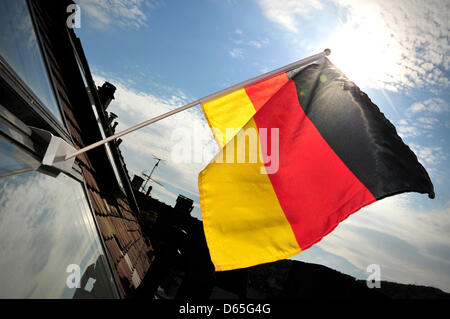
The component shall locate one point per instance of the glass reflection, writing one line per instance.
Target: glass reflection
(10, 158)
(20, 49)
(46, 225)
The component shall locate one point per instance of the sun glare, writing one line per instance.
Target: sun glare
(365, 50)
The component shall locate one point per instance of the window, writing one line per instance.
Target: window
(46, 225)
(100, 126)
(108, 149)
(20, 50)
(12, 160)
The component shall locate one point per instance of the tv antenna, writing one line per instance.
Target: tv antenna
(149, 176)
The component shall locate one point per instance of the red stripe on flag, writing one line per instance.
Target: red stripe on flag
(316, 190)
(261, 92)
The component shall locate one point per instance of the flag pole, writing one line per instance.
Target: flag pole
(203, 100)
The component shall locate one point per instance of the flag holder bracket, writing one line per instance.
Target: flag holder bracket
(54, 160)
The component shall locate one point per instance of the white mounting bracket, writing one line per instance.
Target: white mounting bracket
(55, 155)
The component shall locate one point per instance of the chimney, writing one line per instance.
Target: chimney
(184, 205)
(148, 191)
(136, 183)
(112, 116)
(114, 126)
(106, 94)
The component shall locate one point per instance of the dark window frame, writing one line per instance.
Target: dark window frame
(81, 60)
(86, 78)
(15, 83)
(50, 74)
(18, 133)
(22, 136)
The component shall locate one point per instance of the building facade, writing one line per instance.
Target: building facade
(62, 234)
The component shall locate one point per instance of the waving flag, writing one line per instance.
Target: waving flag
(315, 150)
(234, 110)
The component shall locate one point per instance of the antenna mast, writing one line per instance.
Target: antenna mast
(149, 177)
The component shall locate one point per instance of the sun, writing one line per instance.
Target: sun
(365, 50)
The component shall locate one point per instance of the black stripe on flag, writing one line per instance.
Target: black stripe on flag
(358, 132)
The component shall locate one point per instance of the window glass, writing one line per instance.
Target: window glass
(48, 241)
(13, 159)
(20, 49)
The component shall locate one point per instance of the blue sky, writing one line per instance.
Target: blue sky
(163, 54)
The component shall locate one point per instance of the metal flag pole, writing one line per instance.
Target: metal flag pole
(203, 100)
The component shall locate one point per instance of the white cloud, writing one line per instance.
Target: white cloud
(37, 247)
(157, 139)
(381, 43)
(431, 155)
(240, 40)
(258, 44)
(122, 13)
(236, 53)
(426, 122)
(252, 43)
(410, 244)
(408, 131)
(284, 12)
(433, 105)
(255, 44)
(162, 193)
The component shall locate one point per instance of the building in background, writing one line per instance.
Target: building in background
(78, 224)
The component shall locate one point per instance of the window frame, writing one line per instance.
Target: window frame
(81, 60)
(18, 133)
(13, 80)
(50, 74)
(95, 105)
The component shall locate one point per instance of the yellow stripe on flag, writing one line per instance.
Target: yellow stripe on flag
(231, 111)
(243, 221)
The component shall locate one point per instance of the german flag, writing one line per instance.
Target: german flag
(311, 150)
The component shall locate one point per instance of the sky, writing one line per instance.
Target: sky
(162, 54)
